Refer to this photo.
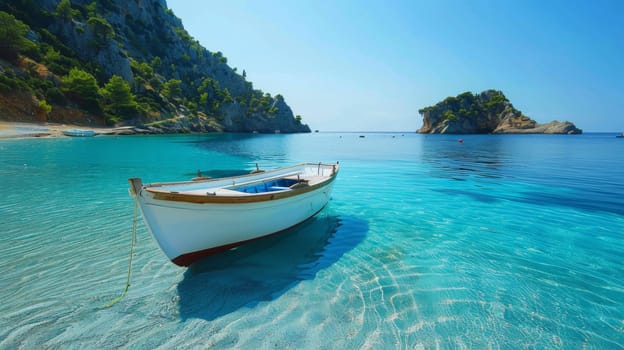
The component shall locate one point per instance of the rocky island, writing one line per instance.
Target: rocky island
(124, 63)
(485, 113)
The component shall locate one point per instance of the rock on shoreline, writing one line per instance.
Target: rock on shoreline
(554, 127)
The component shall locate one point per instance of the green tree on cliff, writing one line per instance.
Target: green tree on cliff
(45, 106)
(173, 88)
(12, 36)
(102, 30)
(81, 87)
(496, 102)
(118, 101)
(65, 11)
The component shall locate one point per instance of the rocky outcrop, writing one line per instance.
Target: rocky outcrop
(146, 44)
(554, 127)
(484, 113)
(280, 121)
(90, 45)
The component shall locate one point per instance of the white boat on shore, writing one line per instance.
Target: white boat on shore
(78, 133)
(193, 219)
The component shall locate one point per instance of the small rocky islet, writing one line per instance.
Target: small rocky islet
(488, 112)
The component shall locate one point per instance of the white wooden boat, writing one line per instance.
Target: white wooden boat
(193, 219)
(78, 133)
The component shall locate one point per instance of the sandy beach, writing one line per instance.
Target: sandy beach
(10, 130)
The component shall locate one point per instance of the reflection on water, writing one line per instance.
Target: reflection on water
(258, 147)
(265, 269)
(484, 157)
(547, 171)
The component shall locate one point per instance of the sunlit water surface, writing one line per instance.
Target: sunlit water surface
(497, 242)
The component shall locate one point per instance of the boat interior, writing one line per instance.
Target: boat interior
(292, 179)
(267, 186)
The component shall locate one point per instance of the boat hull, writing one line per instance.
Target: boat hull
(187, 231)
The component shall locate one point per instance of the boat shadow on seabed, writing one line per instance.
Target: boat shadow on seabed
(265, 269)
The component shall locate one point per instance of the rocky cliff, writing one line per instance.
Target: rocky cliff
(168, 74)
(487, 112)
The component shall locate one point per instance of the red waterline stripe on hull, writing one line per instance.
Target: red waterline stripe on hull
(189, 258)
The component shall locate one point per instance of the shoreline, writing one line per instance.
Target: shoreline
(23, 130)
(18, 130)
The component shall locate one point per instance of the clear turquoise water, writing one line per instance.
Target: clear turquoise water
(499, 242)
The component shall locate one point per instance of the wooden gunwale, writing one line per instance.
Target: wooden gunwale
(240, 177)
(243, 198)
(166, 195)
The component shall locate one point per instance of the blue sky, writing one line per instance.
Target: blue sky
(371, 65)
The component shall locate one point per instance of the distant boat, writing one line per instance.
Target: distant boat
(620, 135)
(193, 219)
(78, 133)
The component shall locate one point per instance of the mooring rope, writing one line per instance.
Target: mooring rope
(132, 242)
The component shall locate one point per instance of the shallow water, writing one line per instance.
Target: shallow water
(502, 241)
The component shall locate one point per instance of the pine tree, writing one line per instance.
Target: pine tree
(12, 36)
(81, 87)
(118, 101)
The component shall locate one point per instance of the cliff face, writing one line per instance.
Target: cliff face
(143, 42)
(487, 112)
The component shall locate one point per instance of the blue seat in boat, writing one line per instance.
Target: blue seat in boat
(278, 188)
